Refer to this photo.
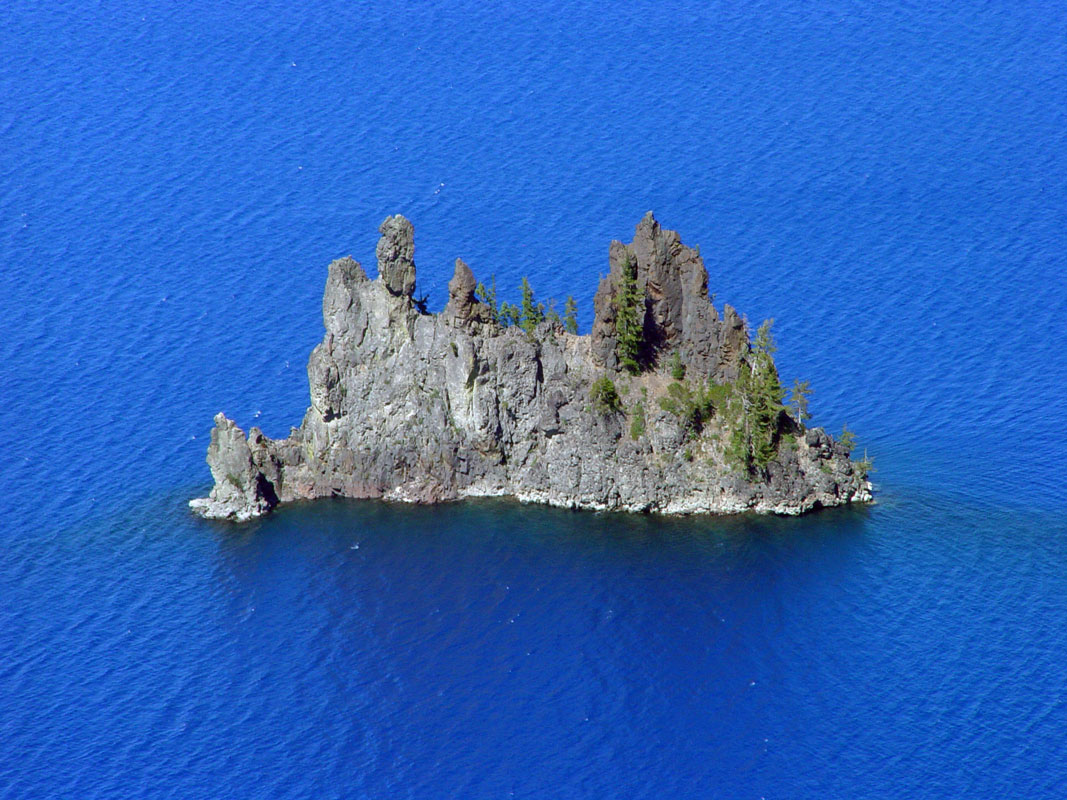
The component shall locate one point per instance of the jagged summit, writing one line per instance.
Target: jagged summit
(677, 313)
(665, 406)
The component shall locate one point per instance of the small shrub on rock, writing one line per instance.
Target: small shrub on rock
(605, 398)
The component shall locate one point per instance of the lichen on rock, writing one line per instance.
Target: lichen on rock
(419, 407)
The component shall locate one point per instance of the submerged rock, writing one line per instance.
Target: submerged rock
(420, 407)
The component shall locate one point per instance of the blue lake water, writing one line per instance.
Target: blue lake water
(887, 180)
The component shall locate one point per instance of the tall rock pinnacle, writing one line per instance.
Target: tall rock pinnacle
(396, 255)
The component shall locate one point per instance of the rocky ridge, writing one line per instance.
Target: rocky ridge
(418, 407)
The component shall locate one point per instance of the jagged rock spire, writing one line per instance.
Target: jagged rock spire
(677, 314)
(396, 255)
(461, 289)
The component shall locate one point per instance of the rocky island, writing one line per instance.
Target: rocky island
(665, 406)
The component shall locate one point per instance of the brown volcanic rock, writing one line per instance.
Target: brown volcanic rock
(678, 314)
(462, 306)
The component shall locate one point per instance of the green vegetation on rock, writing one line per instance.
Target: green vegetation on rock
(754, 405)
(488, 296)
(676, 366)
(629, 319)
(637, 421)
(605, 398)
(531, 313)
(570, 315)
(693, 406)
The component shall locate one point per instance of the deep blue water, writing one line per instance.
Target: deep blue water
(887, 180)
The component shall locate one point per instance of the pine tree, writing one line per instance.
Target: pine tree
(799, 395)
(552, 316)
(629, 318)
(570, 315)
(767, 397)
(764, 343)
(531, 312)
(847, 439)
(509, 314)
(755, 403)
(735, 406)
(488, 296)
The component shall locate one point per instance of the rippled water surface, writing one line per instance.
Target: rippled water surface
(887, 180)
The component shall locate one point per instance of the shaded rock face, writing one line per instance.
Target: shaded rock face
(677, 315)
(422, 407)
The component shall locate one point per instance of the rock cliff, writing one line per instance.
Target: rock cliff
(419, 407)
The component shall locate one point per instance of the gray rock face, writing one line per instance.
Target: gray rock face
(422, 407)
(396, 255)
(242, 475)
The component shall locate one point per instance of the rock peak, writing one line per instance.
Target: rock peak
(396, 255)
(672, 285)
(462, 305)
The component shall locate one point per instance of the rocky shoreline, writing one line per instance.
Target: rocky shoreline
(666, 406)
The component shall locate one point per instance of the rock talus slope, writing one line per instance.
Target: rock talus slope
(419, 407)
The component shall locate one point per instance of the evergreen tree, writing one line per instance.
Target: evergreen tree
(764, 343)
(847, 439)
(799, 395)
(531, 312)
(864, 466)
(755, 404)
(629, 318)
(552, 316)
(509, 314)
(488, 296)
(768, 395)
(570, 315)
(738, 407)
